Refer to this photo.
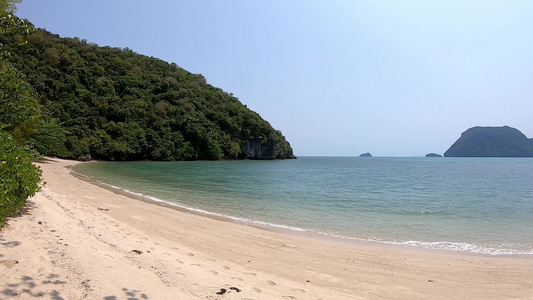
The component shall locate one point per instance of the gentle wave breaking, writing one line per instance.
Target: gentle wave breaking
(465, 247)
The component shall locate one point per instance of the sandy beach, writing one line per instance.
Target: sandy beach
(79, 240)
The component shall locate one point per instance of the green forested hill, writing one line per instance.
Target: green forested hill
(115, 104)
(491, 142)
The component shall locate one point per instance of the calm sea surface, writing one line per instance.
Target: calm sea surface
(482, 205)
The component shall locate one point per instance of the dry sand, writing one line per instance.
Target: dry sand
(64, 247)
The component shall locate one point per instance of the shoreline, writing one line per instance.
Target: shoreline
(296, 231)
(65, 247)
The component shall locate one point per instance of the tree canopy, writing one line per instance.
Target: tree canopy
(8, 6)
(19, 115)
(114, 104)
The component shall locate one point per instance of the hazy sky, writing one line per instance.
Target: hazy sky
(393, 78)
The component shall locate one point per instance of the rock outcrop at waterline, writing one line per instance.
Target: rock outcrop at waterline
(270, 149)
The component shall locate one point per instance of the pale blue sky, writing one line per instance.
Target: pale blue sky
(394, 78)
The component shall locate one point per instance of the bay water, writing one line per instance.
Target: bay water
(482, 205)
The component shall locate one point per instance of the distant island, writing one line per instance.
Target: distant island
(365, 155)
(433, 155)
(502, 141)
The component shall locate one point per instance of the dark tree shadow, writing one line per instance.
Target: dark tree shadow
(28, 286)
(9, 244)
(46, 160)
(130, 294)
(24, 210)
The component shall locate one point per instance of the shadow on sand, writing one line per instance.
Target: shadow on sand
(27, 286)
(130, 294)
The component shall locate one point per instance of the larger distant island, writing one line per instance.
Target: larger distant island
(502, 141)
(114, 104)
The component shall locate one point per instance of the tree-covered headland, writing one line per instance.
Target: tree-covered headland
(481, 141)
(114, 104)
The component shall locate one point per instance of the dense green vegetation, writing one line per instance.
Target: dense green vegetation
(19, 178)
(114, 104)
(19, 114)
(491, 142)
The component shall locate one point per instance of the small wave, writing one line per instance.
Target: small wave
(429, 212)
(450, 246)
(466, 247)
(422, 212)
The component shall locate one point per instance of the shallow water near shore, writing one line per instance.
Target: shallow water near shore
(481, 205)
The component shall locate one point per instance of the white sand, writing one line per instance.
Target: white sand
(66, 248)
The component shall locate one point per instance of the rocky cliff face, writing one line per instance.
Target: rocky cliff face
(255, 149)
(491, 142)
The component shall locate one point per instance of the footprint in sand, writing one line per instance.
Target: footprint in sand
(190, 254)
(214, 272)
(257, 290)
(225, 267)
(9, 263)
(196, 265)
(252, 274)
(237, 278)
(181, 274)
(179, 261)
(289, 297)
(272, 283)
(299, 290)
(211, 259)
(11, 244)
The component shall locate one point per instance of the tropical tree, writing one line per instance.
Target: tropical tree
(9, 6)
(19, 113)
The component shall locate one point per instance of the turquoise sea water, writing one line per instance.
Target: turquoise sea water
(482, 205)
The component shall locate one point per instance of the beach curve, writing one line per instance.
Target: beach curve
(79, 240)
